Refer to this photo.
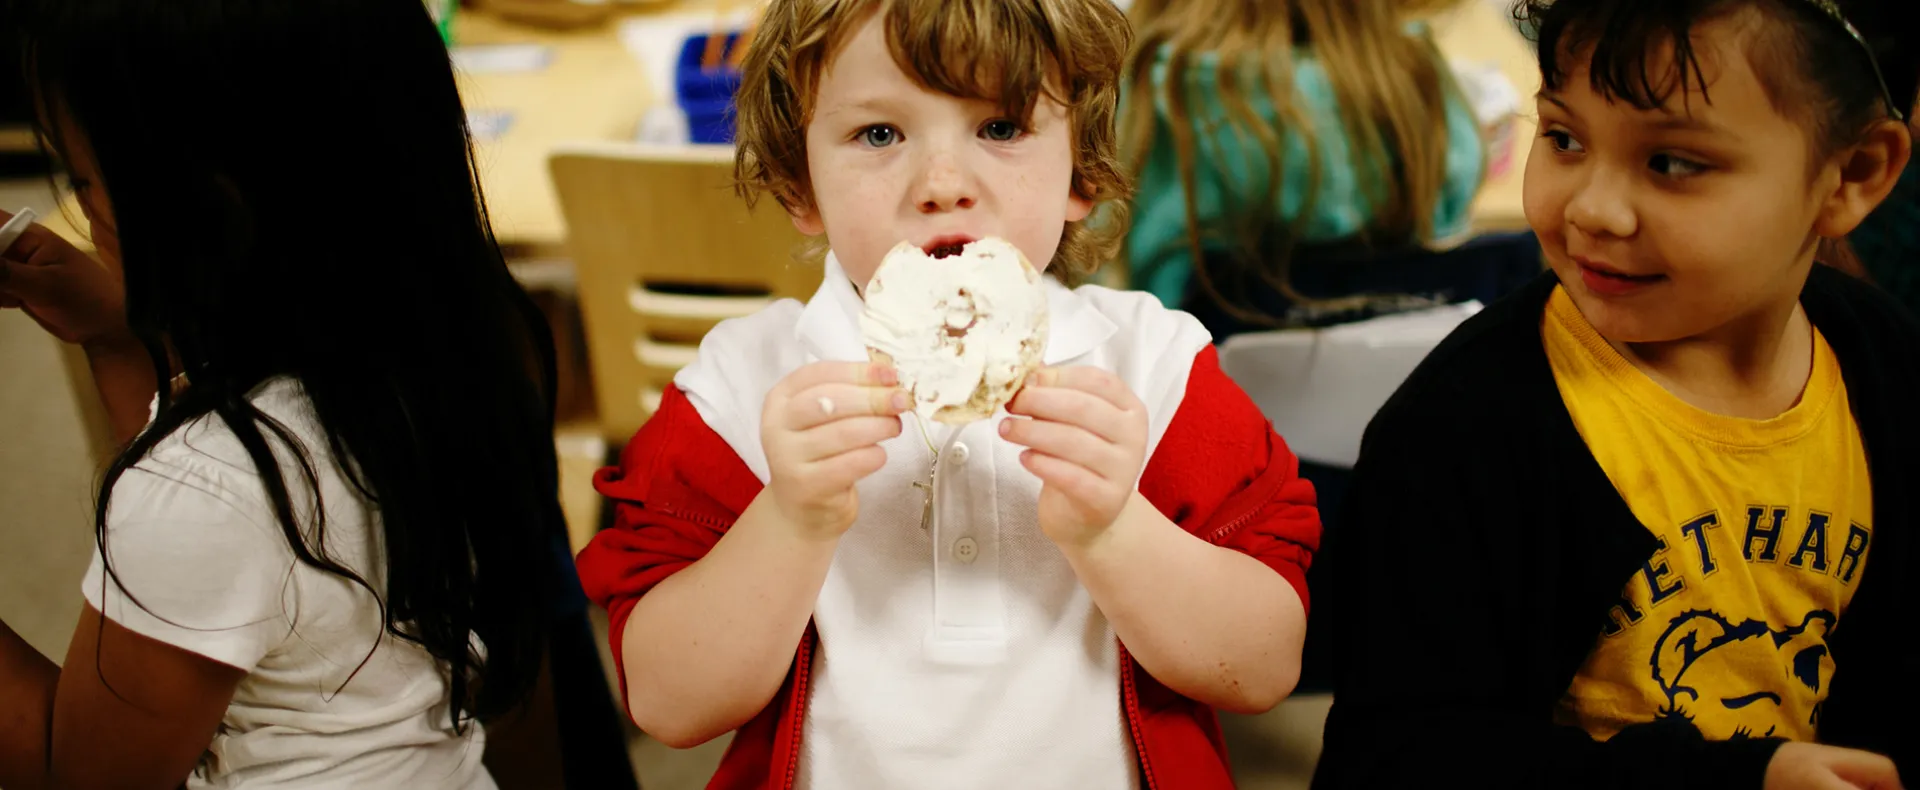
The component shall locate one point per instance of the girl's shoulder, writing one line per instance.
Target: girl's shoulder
(193, 555)
(204, 468)
(206, 447)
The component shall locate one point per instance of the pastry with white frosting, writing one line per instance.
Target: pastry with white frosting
(964, 330)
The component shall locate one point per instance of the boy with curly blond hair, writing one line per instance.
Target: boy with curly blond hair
(1105, 565)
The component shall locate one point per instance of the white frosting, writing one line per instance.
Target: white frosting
(951, 323)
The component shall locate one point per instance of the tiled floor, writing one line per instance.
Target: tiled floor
(1277, 751)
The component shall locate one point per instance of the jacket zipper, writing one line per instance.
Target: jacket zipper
(697, 518)
(804, 667)
(1218, 535)
(1131, 697)
(1222, 533)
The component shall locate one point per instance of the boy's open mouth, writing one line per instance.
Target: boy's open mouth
(947, 247)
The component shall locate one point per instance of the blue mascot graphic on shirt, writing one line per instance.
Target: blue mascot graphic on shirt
(1708, 666)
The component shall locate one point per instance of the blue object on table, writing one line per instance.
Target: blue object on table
(706, 95)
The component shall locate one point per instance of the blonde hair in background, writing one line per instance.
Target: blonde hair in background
(1010, 52)
(1391, 88)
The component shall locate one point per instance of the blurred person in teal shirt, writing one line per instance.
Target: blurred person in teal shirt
(1261, 132)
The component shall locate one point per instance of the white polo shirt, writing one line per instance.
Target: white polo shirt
(193, 539)
(966, 655)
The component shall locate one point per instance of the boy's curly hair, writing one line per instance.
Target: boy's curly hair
(1010, 52)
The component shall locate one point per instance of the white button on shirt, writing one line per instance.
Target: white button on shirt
(959, 454)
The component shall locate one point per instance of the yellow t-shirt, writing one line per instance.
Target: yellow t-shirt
(1764, 528)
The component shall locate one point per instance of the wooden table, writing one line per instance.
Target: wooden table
(1478, 32)
(16, 139)
(592, 90)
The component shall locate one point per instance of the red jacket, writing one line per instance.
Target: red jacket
(1219, 471)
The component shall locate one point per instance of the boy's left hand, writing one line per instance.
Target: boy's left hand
(1086, 440)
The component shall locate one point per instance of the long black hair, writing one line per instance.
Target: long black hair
(294, 194)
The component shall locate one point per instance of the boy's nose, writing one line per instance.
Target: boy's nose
(1602, 207)
(942, 187)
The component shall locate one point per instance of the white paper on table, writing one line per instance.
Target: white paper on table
(655, 41)
(502, 58)
(488, 125)
(1321, 387)
(664, 124)
(1495, 103)
(1487, 89)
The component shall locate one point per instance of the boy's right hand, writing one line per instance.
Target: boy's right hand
(73, 296)
(822, 427)
(1812, 766)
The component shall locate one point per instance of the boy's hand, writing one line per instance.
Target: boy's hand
(74, 297)
(1086, 441)
(1812, 766)
(822, 427)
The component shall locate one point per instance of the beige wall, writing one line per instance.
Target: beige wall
(46, 484)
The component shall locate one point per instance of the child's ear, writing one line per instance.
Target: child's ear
(1869, 170)
(806, 218)
(1079, 206)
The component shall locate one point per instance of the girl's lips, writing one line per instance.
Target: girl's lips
(1605, 282)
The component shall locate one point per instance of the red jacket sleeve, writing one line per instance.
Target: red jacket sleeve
(678, 488)
(1222, 473)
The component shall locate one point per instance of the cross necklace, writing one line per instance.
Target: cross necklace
(933, 470)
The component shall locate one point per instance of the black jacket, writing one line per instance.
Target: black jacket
(1483, 547)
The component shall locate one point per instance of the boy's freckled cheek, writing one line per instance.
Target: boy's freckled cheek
(871, 197)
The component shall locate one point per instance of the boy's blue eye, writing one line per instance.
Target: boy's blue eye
(879, 136)
(1564, 142)
(1675, 167)
(1000, 131)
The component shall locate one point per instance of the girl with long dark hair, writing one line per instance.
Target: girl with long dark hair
(324, 552)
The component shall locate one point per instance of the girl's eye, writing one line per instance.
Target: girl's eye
(1564, 142)
(879, 136)
(1675, 167)
(1001, 131)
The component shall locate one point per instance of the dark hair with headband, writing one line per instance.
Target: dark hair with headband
(1836, 65)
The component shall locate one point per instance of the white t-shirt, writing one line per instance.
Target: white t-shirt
(193, 539)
